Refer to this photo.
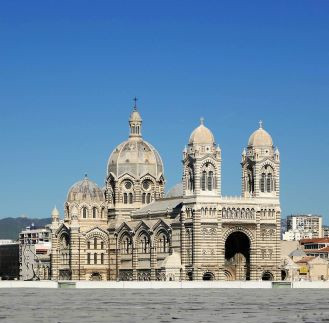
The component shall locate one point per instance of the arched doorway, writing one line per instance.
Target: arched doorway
(237, 255)
(96, 277)
(228, 275)
(267, 276)
(208, 276)
(189, 275)
(284, 274)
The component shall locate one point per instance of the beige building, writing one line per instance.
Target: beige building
(129, 230)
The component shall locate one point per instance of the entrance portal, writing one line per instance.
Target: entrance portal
(208, 276)
(267, 276)
(96, 277)
(237, 255)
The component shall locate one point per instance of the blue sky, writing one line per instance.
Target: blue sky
(69, 71)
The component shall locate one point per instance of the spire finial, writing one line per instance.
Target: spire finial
(86, 176)
(202, 120)
(260, 124)
(135, 103)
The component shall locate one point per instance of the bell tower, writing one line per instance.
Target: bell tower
(260, 166)
(202, 164)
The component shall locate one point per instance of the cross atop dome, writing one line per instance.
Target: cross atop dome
(202, 120)
(260, 124)
(135, 103)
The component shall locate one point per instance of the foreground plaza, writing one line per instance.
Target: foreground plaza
(130, 230)
(165, 305)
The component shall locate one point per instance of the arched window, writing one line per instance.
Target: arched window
(95, 243)
(88, 258)
(162, 243)
(88, 245)
(102, 245)
(203, 180)
(144, 198)
(210, 180)
(125, 198)
(84, 212)
(262, 183)
(144, 244)
(148, 198)
(102, 258)
(130, 198)
(94, 212)
(269, 183)
(102, 213)
(224, 214)
(95, 258)
(125, 245)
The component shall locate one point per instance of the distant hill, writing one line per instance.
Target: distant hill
(11, 227)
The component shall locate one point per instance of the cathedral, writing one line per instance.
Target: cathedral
(131, 230)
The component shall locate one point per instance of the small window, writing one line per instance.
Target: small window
(88, 258)
(102, 245)
(94, 213)
(102, 259)
(84, 212)
(131, 198)
(125, 198)
(95, 243)
(95, 258)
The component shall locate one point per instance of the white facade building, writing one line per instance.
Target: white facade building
(303, 227)
(34, 253)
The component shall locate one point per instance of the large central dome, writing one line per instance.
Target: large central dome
(135, 156)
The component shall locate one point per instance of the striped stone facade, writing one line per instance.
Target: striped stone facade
(131, 231)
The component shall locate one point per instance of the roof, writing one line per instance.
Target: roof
(163, 205)
(297, 253)
(325, 249)
(176, 191)
(305, 260)
(314, 240)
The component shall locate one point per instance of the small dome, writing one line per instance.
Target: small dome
(260, 138)
(172, 262)
(297, 253)
(176, 191)
(85, 191)
(202, 136)
(54, 212)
